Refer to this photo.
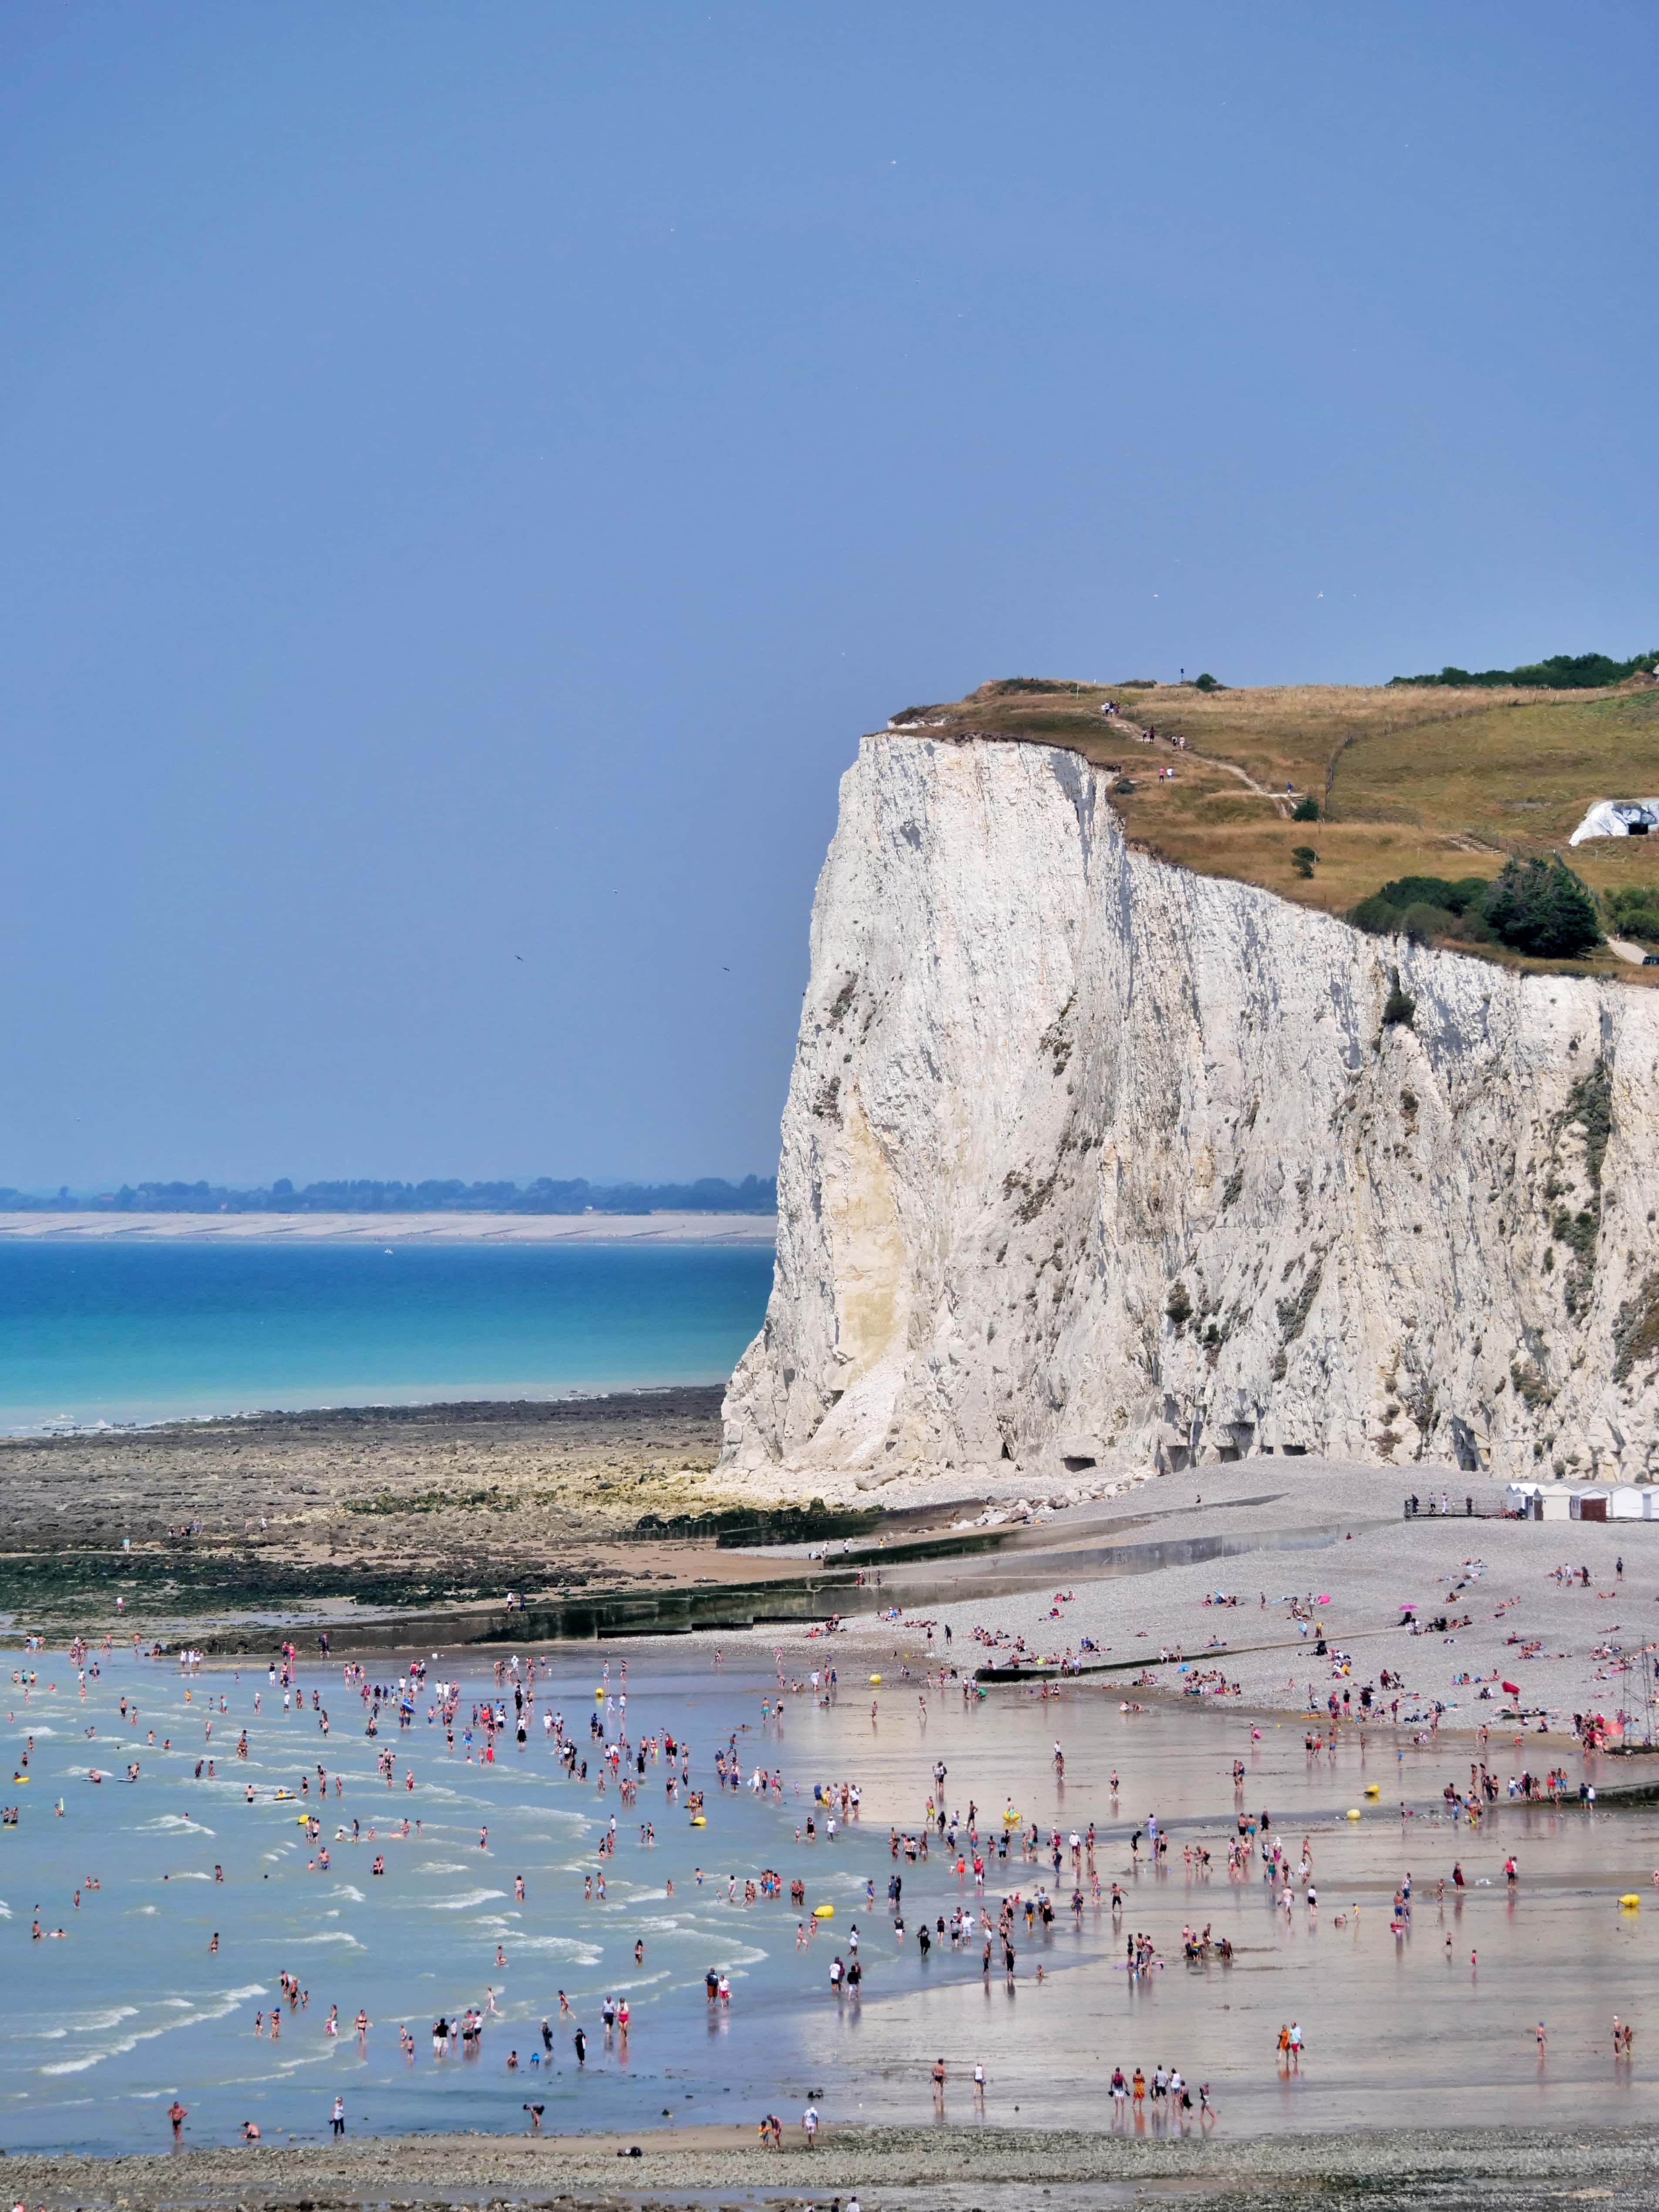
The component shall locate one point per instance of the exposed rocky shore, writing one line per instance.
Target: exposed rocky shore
(386, 1506)
(923, 2167)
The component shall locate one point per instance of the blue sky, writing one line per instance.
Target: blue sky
(469, 475)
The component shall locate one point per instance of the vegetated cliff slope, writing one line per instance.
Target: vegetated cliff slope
(1088, 1159)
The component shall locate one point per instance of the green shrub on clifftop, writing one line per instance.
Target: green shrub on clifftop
(1541, 907)
(1538, 907)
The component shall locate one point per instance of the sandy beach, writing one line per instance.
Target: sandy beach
(1143, 1575)
(381, 1510)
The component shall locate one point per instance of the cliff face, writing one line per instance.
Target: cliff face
(1088, 1161)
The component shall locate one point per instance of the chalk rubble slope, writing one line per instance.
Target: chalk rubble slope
(1090, 1163)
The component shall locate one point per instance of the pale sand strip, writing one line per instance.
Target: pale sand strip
(1336, 1531)
(394, 1228)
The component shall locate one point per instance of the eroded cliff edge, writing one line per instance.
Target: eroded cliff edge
(1088, 1161)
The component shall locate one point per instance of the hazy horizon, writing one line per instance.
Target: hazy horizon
(472, 476)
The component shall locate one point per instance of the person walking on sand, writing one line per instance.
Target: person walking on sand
(809, 2120)
(336, 2118)
(178, 2114)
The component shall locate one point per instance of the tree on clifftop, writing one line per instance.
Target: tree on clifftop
(1541, 907)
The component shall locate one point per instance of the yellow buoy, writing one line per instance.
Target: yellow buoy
(1631, 1901)
(697, 1820)
(598, 1696)
(1373, 1789)
(876, 1679)
(823, 1912)
(1353, 1812)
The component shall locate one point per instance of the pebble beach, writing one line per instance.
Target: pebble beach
(932, 2169)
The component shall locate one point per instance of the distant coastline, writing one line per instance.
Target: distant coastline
(438, 1228)
(436, 1195)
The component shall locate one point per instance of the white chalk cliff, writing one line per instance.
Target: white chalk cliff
(1088, 1161)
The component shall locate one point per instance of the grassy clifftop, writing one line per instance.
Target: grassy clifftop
(1409, 780)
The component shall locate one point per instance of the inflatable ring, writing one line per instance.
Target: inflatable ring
(823, 1912)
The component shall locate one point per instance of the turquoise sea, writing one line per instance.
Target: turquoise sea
(142, 1333)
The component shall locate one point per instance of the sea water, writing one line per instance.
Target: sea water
(105, 1331)
(104, 2026)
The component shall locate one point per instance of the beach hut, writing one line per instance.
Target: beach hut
(1650, 1503)
(1627, 1504)
(1518, 1497)
(1589, 1505)
(1553, 1502)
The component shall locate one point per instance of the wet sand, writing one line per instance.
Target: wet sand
(1397, 2032)
(1401, 2029)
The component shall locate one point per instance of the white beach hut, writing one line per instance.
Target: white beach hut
(1627, 1503)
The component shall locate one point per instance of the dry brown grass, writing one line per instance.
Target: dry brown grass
(1429, 782)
